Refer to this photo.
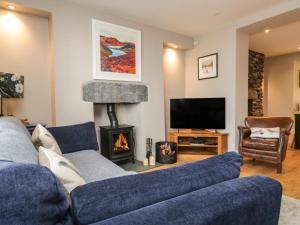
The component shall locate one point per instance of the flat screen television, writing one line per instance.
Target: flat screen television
(198, 113)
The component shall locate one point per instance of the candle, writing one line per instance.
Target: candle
(152, 160)
(145, 162)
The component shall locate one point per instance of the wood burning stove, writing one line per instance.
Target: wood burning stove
(117, 143)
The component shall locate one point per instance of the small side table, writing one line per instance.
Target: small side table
(31, 126)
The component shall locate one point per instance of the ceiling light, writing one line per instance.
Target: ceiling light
(298, 48)
(267, 30)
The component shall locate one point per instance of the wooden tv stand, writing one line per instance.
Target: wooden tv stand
(205, 140)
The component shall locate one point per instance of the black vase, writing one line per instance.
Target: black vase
(166, 152)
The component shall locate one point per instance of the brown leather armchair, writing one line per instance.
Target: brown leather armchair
(268, 150)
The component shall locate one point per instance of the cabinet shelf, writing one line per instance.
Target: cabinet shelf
(197, 145)
(213, 141)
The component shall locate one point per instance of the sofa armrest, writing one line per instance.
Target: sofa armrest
(31, 194)
(108, 198)
(244, 201)
(75, 137)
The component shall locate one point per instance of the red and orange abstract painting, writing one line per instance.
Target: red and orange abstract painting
(117, 56)
(116, 52)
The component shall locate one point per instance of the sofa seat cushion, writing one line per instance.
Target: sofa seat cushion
(261, 143)
(17, 147)
(94, 167)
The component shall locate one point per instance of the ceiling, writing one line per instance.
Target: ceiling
(279, 41)
(189, 17)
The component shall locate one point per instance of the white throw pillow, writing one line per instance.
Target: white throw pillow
(61, 167)
(273, 132)
(42, 137)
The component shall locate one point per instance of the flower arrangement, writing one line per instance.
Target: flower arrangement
(11, 85)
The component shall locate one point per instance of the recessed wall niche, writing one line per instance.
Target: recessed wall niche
(26, 50)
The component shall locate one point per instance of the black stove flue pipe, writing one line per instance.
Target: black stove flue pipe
(112, 115)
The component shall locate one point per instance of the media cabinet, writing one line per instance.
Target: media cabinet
(212, 141)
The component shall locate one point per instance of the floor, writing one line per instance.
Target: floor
(290, 177)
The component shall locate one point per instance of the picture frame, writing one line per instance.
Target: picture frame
(208, 66)
(116, 52)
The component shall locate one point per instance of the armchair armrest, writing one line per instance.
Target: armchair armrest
(284, 131)
(283, 143)
(244, 132)
(244, 201)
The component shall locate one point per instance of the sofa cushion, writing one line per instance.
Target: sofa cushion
(13, 123)
(31, 194)
(17, 147)
(61, 167)
(261, 143)
(245, 201)
(42, 137)
(75, 137)
(104, 199)
(94, 167)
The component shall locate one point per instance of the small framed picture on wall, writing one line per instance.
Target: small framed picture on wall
(208, 66)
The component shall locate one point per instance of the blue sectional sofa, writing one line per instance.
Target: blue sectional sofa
(207, 192)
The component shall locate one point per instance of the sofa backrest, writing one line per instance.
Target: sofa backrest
(76, 137)
(15, 142)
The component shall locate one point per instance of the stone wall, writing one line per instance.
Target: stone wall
(255, 82)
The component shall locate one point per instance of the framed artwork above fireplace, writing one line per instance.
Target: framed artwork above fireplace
(116, 52)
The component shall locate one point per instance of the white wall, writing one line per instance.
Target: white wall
(241, 92)
(174, 75)
(24, 41)
(232, 45)
(224, 85)
(72, 46)
(282, 82)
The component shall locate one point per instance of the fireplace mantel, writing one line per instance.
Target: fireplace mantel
(98, 91)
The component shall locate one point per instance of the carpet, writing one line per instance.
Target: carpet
(290, 211)
(137, 166)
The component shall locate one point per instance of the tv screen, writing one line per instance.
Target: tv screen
(198, 113)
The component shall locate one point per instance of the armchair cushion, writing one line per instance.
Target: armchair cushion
(258, 132)
(261, 144)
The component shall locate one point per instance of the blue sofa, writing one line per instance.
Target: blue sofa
(208, 192)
